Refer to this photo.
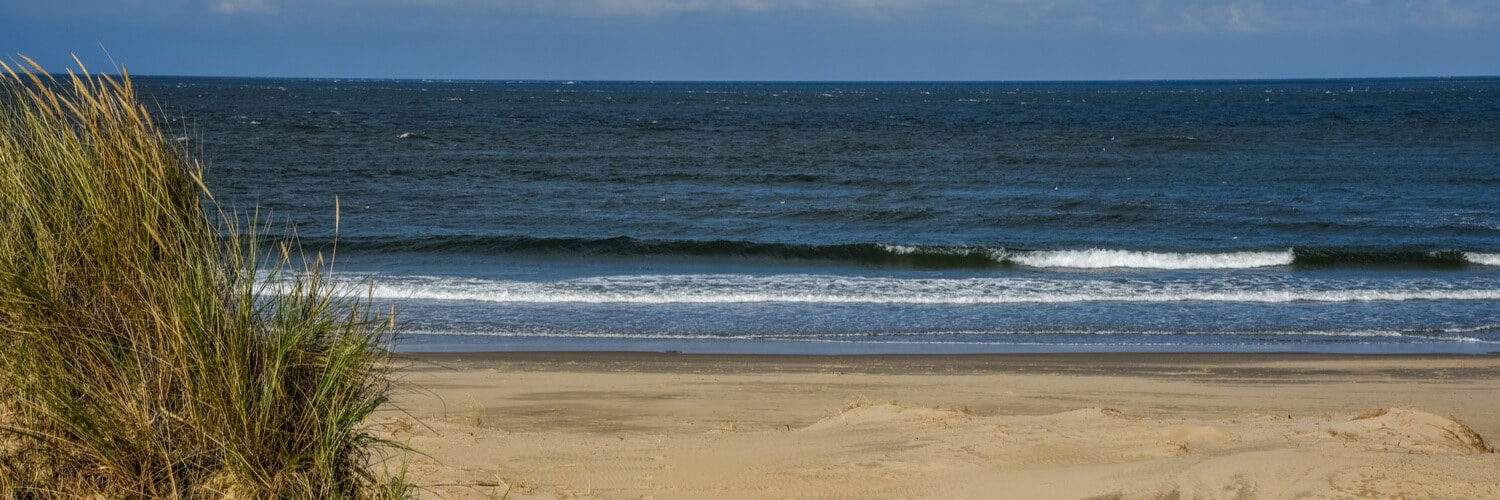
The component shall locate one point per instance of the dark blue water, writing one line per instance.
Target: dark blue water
(1341, 215)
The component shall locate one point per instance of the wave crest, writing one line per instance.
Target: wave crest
(1483, 259)
(918, 256)
(1101, 258)
(824, 289)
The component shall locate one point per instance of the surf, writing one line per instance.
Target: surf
(833, 289)
(915, 256)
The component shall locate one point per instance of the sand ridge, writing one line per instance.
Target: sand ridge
(1367, 428)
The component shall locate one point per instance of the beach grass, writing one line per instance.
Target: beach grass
(153, 345)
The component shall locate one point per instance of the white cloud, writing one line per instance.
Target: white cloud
(1120, 16)
(1452, 14)
(244, 6)
(1246, 18)
(668, 7)
(1277, 16)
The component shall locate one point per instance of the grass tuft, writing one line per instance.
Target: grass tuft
(144, 352)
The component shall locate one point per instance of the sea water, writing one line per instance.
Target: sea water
(1312, 215)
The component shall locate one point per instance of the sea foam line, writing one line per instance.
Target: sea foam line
(817, 289)
(1103, 258)
(1100, 258)
(926, 337)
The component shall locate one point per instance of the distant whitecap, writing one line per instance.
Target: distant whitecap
(1100, 258)
(1483, 259)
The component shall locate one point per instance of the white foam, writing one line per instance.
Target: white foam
(939, 337)
(822, 289)
(1483, 259)
(518, 333)
(899, 249)
(1100, 258)
(1097, 258)
(911, 249)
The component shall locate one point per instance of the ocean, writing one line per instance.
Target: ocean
(827, 218)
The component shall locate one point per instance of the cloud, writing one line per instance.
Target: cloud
(1273, 16)
(669, 7)
(1453, 14)
(1110, 16)
(1245, 18)
(244, 7)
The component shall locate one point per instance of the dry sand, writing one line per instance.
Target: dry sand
(639, 425)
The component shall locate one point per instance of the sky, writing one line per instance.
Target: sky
(762, 40)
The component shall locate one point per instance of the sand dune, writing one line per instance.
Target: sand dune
(1194, 426)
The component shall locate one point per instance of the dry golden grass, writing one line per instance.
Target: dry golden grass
(140, 354)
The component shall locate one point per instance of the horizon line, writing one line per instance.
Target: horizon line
(813, 81)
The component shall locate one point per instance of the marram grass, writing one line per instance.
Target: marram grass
(140, 354)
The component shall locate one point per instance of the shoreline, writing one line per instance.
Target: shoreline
(1215, 365)
(1148, 356)
(451, 344)
(1070, 425)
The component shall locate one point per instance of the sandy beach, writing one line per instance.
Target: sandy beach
(663, 425)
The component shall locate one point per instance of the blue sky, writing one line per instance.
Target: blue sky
(763, 39)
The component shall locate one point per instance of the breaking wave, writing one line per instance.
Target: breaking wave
(825, 289)
(856, 253)
(921, 256)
